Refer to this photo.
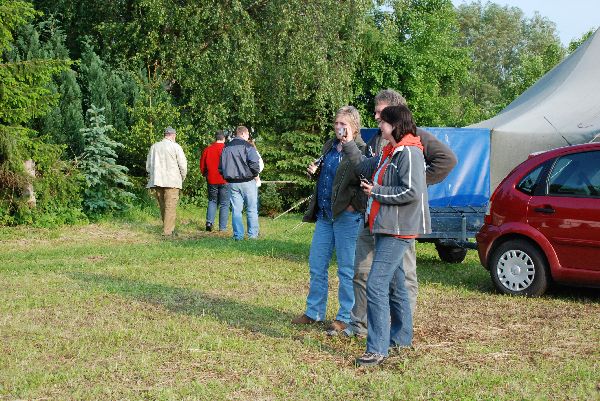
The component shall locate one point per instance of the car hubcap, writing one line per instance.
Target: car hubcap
(516, 270)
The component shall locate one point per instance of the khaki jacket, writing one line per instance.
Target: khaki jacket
(166, 165)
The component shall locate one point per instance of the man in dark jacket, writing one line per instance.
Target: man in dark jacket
(440, 161)
(239, 165)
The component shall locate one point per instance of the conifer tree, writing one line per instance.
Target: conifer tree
(116, 93)
(93, 78)
(106, 181)
(71, 112)
(25, 95)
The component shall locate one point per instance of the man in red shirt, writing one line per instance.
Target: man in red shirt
(218, 189)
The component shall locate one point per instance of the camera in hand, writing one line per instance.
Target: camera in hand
(366, 180)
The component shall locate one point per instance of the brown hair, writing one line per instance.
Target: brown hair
(401, 119)
(240, 130)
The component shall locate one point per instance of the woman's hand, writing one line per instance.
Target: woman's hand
(312, 168)
(348, 135)
(344, 134)
(366, 187)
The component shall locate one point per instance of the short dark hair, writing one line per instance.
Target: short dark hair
(219, 135)
(401, 119)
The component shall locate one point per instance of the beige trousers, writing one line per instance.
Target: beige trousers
(167, 201)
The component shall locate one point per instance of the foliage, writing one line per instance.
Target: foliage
(56, 184)
(26, 72)
(577, 42)
(105, 181)
(61, 124)
(411, 46)
(288, 154)
(270, 200)
(280, 66)
(151, 112)
(509, 53)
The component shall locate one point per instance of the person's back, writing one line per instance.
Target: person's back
(209, 163)
(239, 165)
(218, 191)
(239, 161)
(167, 167)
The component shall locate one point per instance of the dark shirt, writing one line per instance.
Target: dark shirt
(331, 161)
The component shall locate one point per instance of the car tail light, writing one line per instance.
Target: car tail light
(487, 219)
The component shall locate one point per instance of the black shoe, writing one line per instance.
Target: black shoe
(369, 359)
(209, 226)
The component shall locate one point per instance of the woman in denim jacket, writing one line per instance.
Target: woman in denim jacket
(336, 208)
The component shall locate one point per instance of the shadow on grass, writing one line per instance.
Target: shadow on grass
(259, 319)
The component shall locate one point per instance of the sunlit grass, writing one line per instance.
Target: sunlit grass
(114, 311)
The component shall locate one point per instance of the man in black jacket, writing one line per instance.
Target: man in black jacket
(440, 161)
(239, 165)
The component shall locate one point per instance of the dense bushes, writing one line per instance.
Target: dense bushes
(201, 66)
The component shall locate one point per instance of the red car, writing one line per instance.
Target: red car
(543, 223)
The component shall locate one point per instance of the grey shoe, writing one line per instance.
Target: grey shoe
(349, 332)
(369, 359)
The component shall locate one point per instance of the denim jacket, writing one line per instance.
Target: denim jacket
(346, 185)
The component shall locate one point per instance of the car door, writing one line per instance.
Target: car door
(567, 212)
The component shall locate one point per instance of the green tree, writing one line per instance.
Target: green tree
(25, 94)
(93, 80)
(61, 125)
(577, 42)
(71, 112)
(509, 53)
(411, 46)
(105, 180)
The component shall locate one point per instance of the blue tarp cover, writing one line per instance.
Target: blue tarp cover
(469, 182)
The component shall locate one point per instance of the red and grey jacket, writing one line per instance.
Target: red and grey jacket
(402, 195)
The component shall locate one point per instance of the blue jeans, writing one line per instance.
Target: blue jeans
(387, 297)
(339, 234)
(218, 195)
(244, 194)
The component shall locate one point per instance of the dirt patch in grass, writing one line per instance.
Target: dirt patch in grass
(483, 330)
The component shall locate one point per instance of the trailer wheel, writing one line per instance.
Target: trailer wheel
(450, 254)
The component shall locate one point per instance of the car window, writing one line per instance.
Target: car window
(576, 175)
(530, 181)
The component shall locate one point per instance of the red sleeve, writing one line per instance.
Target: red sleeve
(203, 163)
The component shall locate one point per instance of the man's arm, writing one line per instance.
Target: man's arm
(203, 168)
(181, 162)
(253, 160)
(440, 159)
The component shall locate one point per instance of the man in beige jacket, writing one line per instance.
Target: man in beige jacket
(167, 167)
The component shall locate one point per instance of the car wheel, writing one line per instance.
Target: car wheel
(450, 254)
(518, 268)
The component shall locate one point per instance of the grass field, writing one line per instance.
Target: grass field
(113, 311)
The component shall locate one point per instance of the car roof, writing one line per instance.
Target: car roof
(567, 149)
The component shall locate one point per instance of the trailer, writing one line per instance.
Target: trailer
(457, 205)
